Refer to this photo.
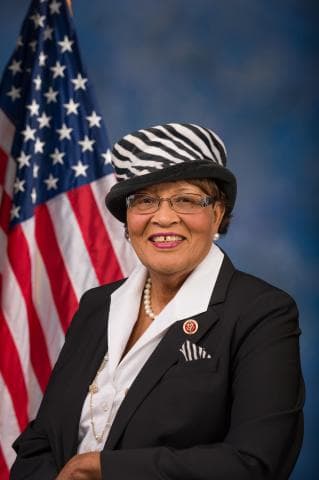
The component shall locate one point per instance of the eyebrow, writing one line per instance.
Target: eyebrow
(178, 190)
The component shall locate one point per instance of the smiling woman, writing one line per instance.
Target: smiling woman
(173, 242)
(187, 369)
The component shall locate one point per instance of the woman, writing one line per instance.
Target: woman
(187, 370)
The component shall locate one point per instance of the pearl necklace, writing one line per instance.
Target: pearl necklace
(147, 299)
(93, 388)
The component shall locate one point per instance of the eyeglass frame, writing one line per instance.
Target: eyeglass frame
(204, 202)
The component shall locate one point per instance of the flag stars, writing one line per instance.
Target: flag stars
(55, 7)
(33, 45)
(94, 119)
(64, 132)
(47, 33)
(80, 169)
(86, 144)
(44, 120)
(57, 156)
(51, 182)
(66, 44)
(23, 160)
(38, 20)
(71, 107)
(79, 82)
(28, 133)
(14, 212)
(58, 70)
(107, 157)
(35, 170)
(37, 82)
(15, 67)
(51, 95)
(38, 146)
(19, 42)
(42, 59)
(19, 185)
(14, 93)
(33, 195)
(34, 108)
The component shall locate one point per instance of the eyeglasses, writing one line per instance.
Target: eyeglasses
(181, 203)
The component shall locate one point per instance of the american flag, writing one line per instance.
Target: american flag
(56, 237)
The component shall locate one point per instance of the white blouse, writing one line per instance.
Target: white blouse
(118, 374)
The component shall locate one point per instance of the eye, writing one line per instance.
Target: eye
(185, 200)
(145, 200)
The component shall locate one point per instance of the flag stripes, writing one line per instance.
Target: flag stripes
(34, 249)
(76, 258)
(91, 220)
(64, 296)
(42, 296)
(6, 453)
(10, 367)
(5, 211)
(3, 165)
(125, 256)
(56, 238)
(20, 261)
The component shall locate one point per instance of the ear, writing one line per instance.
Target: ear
(218, 212)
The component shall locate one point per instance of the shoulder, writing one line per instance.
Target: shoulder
(261, 312)
(251, 288)
(251, 303)
(98, 295)
(243, 289)
(92, 303)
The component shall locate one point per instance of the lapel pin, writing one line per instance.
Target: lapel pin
(190, 327)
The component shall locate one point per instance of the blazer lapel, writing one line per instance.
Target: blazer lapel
(223, 281)
(87, 360)
(166, 354)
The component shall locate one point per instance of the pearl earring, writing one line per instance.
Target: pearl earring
(126, 234)
(216, 236)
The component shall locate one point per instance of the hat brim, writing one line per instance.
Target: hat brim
(115, 200)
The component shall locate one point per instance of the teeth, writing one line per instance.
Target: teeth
(166, 238)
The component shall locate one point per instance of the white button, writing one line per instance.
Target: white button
(105, 406)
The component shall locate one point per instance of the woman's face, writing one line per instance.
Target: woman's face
(170, 243)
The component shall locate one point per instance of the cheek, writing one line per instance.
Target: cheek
(136, 224)
(202, 224)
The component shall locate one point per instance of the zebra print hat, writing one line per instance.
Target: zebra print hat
(165, 153)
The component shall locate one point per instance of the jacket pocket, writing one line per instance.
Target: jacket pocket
(183, 368)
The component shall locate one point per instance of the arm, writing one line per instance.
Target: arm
(34, 457)
(265, 432)
(85, 466)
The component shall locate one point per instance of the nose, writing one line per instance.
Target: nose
(165, 215)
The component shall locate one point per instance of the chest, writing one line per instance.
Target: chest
(140, 327)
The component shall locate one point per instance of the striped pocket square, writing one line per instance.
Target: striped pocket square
(191, 351)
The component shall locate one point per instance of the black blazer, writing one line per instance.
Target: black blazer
(237, 415)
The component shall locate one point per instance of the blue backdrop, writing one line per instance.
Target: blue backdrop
(248, 69)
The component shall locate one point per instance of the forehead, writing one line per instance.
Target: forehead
(170, 188)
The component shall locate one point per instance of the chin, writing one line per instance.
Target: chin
(170, 269)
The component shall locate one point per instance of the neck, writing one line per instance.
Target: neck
(164, 289)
